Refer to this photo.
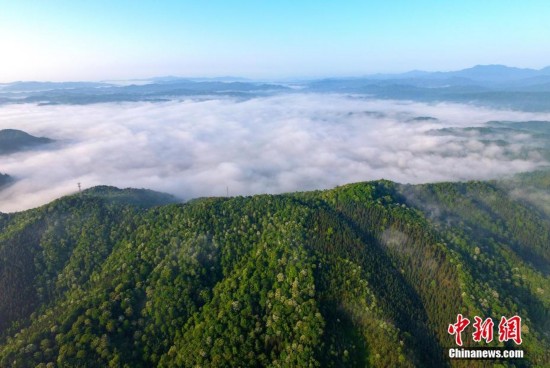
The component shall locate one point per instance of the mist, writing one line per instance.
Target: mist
(284, 143)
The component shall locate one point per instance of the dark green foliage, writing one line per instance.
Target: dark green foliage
(367, 274)
(143, 198)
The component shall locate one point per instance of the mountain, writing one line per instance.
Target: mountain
(495, 86)
(33, 86)
(140, 198)
(157, 89)
(226, 79)
(5, 179)
(497, 73)
(12, 140)
(478, 73)
(367, 274)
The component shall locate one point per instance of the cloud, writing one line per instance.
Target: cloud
(275, 144)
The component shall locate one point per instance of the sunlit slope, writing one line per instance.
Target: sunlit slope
(367, 274)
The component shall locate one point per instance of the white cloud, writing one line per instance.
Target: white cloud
(264, 145)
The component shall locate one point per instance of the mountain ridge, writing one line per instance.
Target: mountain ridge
(516, 72)
(5, 179)
(496, 86)
(363, 274)
(14, 140)
(493, 72)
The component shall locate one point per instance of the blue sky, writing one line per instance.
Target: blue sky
(123, 39)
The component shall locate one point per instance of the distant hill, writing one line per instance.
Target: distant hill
(47, 86)
(497, 86)
(478, 73)
(159, 89)
(143, 198)
(12, 140)
(498, 73)
(5, 179)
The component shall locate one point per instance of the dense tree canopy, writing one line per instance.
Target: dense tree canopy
(368, 274)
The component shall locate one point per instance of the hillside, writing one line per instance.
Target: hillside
(13, 140)
(5, 179)
(367, 274)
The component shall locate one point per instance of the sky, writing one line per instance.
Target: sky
(66, 40)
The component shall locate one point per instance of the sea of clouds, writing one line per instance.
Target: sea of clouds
(283, 143)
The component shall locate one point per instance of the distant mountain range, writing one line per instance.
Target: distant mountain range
(12, 141)
(496, 86)
(33, 86)
(154, 90)
(490, 85)
(478, 73)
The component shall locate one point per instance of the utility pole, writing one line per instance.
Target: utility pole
(79, 187)
(227, 189)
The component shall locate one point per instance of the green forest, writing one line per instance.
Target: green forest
(363, 275)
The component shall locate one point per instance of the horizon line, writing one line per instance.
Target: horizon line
(244, 79)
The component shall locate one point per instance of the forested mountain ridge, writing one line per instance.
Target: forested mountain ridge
(367, 274)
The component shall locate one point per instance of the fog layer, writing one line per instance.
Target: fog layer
(274, 144)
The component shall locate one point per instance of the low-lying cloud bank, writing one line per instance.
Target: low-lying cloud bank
(276, 144)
